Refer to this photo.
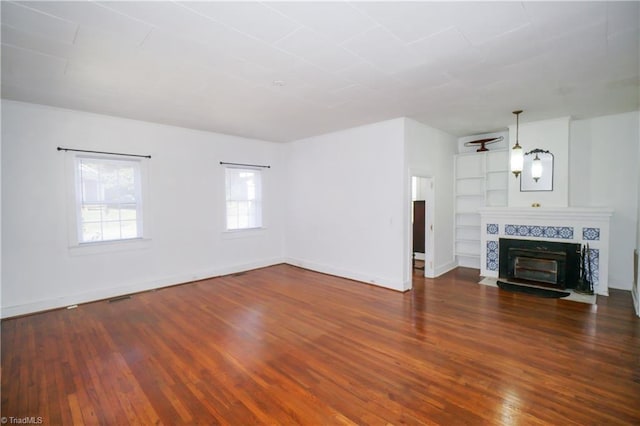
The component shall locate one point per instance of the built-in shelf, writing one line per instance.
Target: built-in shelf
(480, 181)
(472, 255)
(470, 177)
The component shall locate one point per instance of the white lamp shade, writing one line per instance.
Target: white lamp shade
(517, 159)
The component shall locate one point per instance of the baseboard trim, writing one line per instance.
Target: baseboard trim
(356, 276)
(443, 269)
(116, 291)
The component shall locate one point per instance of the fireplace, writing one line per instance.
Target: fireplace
(574, 225)
(540, 263)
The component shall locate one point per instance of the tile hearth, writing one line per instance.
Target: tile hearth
(573, 296)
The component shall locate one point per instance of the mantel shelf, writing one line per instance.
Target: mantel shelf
(547, 212)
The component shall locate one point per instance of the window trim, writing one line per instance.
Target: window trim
(229, 232)
(73, 220)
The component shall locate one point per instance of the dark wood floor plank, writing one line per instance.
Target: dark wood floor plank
(283, 345)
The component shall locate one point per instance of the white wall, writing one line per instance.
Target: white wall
(637, 282)
(604, 168)
(345, 204)
(429, 152)
(636, 290)
(336, 203)
(186, 199)
(1, 149)
(551, 135)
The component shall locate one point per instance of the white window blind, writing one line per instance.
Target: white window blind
(108, 199)
(244, 198)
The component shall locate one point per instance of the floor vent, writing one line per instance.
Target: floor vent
(119, 298)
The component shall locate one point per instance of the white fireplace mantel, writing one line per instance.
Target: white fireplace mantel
(582, 225)
(600, 213)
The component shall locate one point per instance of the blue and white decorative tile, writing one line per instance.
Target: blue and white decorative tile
(550, 232)
(523, 231)
(591, 234)
(594, 263)
(565, 232)
(492, 255)
(536, 231)
(561, 232)
(492, 228)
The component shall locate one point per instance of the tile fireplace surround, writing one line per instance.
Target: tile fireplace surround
(580, 225)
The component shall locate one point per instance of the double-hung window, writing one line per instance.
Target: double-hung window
(108, 199)
(244, 198)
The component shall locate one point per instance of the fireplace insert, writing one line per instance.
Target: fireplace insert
(540, 263)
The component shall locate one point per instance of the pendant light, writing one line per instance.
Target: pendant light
(517, 155)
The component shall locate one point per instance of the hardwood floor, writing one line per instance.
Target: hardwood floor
(283, 345)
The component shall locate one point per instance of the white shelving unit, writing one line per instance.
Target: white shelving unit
(480, 181)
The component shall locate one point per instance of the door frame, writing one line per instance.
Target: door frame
(430, 226)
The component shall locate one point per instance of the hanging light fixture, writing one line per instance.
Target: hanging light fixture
(517, 155)
(536, 168)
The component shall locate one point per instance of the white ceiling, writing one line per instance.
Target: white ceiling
(462, 67)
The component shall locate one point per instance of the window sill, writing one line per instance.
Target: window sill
(109, 246)
(243, 233)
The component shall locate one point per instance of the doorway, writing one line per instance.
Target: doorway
(421, 235)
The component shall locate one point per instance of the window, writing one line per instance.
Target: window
(108, 199)
(244, 198)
